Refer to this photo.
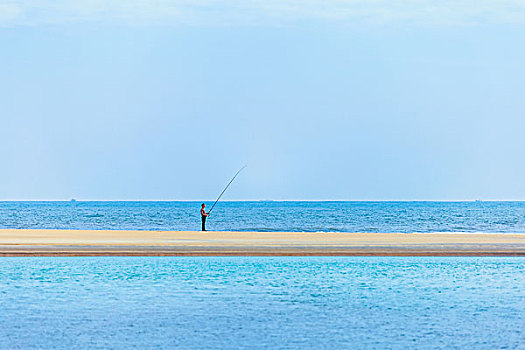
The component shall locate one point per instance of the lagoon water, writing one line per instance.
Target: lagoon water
(405, 217)
(262, 303)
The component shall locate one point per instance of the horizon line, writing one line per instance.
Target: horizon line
(262, 200)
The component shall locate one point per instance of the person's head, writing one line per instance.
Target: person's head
(203, 205)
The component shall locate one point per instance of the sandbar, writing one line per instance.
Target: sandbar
(40, 242)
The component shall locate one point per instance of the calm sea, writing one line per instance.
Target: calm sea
(505, 217)
(262, 303)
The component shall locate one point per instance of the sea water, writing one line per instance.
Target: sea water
(262, 303)
(405, 217)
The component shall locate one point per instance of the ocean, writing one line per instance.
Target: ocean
(262, 303)
(320, 216)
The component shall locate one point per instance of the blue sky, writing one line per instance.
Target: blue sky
(413, 100)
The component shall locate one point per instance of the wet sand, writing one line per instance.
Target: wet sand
(186, 243)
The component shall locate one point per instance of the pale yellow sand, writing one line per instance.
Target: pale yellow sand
(90, 242)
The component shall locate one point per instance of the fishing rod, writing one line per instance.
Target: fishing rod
(225, 188)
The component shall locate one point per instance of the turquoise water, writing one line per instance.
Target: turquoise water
(406, 217)
(262, 303)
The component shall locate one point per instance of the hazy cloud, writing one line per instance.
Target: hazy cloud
(260, 12)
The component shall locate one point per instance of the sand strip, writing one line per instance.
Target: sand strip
(186, 243)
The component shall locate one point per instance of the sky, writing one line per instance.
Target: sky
(322, 100)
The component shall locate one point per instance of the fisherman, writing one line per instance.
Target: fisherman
(204, 215)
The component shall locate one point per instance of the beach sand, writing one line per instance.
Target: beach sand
(15, 242)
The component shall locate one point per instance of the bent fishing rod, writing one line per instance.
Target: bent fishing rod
(225, 188)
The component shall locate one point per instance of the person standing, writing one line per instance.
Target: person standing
(204, 215)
